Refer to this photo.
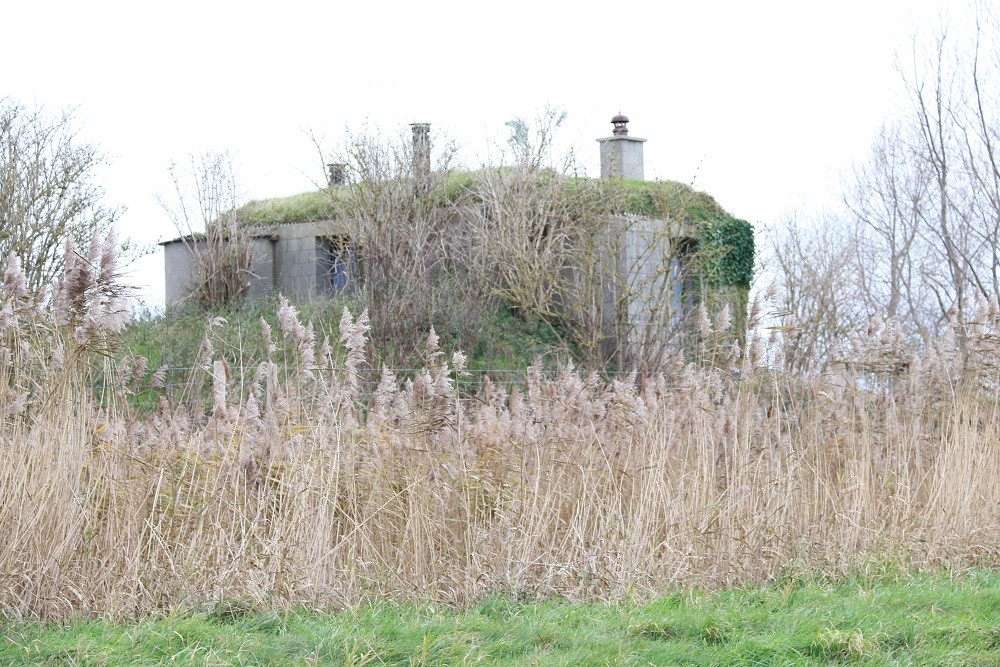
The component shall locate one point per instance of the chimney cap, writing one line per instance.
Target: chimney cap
(619, 122)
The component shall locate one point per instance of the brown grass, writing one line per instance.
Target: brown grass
(302, 490)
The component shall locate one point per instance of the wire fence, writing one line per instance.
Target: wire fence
(187, 383)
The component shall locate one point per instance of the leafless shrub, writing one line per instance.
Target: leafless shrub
(402, 217)
(48, 191)
(561, 248)
(918, 242)
(204, 209)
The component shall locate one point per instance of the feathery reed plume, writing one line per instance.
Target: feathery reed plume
(383, 399)
(220, 381)
(109, 256)
(303, 337)
(288, 319)
(432, 349)
(289, 492)
(459, 361)
(269, 345)
(704, 322)
(159, 378)
(15, 284)
(724, 320)
(88, 299)
(206, 353)
(353, 335)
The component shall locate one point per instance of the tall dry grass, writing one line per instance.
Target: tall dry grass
(299, 489)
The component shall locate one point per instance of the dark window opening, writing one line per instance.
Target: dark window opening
(684, 297)
(334, 264)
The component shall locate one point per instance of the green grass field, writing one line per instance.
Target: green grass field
(495, 339)
(884, 619)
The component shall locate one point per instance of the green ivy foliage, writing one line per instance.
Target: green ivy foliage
(728, 247)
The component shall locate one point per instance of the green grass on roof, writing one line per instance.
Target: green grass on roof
(670, 199)
(667, 200)
(311, 206)
(655, 199)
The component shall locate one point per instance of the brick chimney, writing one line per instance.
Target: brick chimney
(621, 155)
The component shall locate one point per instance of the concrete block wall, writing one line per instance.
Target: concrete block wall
(181, 271)
(295, 260)
(261, 267)
(179, 274)
(287, 259)
(648, 281)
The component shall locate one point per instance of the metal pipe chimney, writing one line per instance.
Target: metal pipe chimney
(421, 156)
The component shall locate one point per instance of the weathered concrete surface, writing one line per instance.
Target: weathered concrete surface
(621, 157)
(288, 258)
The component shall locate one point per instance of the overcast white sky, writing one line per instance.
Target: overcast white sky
(767, 102)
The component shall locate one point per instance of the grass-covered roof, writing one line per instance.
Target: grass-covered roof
(311, 206)
(666, 200)
(655, 199)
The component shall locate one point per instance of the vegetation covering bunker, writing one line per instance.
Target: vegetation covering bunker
(658, 250)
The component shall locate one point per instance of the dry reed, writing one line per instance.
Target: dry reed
(299, 490)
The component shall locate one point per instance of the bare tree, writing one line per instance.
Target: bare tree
(434, 247)
(981, 165)
(204, 208)
(403, 218)
(48, 190)
(897, 264)
(823, 298)
(923, 212)
(944, 178)
(565, 249)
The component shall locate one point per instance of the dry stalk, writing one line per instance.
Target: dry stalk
(575, 486)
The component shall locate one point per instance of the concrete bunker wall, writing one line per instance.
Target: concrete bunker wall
(181, 267)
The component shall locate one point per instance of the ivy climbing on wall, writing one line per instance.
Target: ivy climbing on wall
(728, 246)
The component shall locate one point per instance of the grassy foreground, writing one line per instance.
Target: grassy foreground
(885, 619)
(494, 338)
